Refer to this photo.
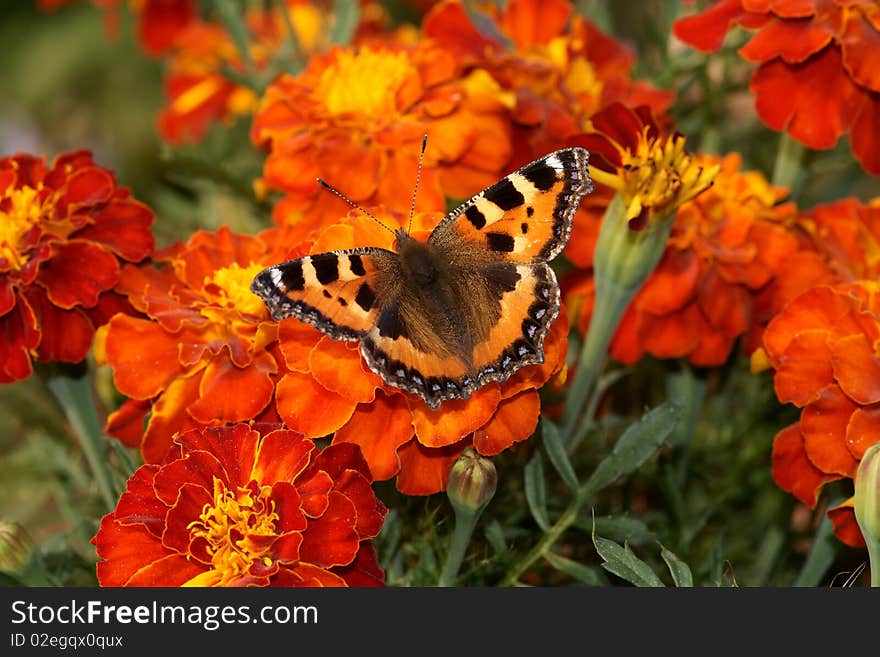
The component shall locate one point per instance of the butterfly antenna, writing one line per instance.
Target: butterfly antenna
(330, 188)
(412, 207)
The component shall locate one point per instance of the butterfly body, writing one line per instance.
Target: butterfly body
(471, 305)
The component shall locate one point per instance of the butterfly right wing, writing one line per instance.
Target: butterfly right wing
(337, 292)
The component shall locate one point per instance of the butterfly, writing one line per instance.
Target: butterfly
(470, 305)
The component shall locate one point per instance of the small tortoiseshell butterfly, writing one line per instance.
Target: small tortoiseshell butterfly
(471, 305)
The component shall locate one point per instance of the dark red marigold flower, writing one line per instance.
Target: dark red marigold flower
(238, 506)
(65, 232)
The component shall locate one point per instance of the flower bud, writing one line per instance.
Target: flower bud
(472, 482)
(867, 497)
(15, 546)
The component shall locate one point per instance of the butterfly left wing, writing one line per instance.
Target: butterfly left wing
(527, 215)
(336, 292)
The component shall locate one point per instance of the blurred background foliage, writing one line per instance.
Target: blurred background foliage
(67, 83)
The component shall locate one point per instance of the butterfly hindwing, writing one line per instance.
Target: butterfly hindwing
(527, 215)
(336, 292)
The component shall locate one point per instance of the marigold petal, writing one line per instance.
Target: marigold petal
(18, 336)
(793, 41)
(863, 430)
(515, 419)
(289, 507)
(169, 416)
(191, 499)
(331, 540)
(379, 429)
(455, 418)
(232, 394)
(812, 101)
(672, 284)
(314, 491)
(234, 447)
(706, 30)
(142, 355)
(126, 423)
(171, 570)
(425, 470)
(370, 513)
(306, 574)
(804, 370)
(281, 456)
(338, 366)
(793, 471)
(364, 570)
(87, 186)
(861, 50)
(856, 368)
(448, 23)
(823, 425)
(197, 469)
(530, 22)
(77, 273)
(673, 335)
(846, 527)
(66, 334)
(308, 407)
(123, 227)
(124, 549)
(296, 340)
(865, 134)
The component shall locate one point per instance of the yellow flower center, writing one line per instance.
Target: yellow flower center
(23, 213)
(235, 527)
(230, 287)
(659, 176)
(364, 83)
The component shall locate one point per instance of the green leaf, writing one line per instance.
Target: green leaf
(622, 562)
(580, 572)
(622, 529)
(681, 572)
(556, 453)
(637, 444)
(536, 491)
(347, 13)
(495, 536)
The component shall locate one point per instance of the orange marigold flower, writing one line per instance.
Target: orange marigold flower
(365, 109)
(717, 278)
(198, 86)
(823, 349)
(555, 69)
(329, 389)
(65, 231)
(819, 66)
(205, 352)
(238, 506)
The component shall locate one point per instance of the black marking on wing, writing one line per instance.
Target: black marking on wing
(541, 175)
(477, 218)
(505, 195)
(292, 276)
(326, 267)
(500, 242)
(365, 297)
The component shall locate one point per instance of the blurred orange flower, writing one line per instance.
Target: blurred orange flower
(823, 349)
(205, 352)
(65, 231)
(200, 85)
(329, 389)
(238, 506)
(554, 68)
(365, 109)
(819, 72)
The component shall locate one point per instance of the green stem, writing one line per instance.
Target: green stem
(821, 556)
(465, 522)
(542, 547)
(78, 402)
(789, 158)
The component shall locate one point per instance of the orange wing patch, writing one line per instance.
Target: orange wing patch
(336, 292)
(528, 310)
(526, 216)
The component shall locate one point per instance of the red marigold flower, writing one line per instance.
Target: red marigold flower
(242, 506)
(554, 68)
(729, 250)
(65, 231)
(365, 109)
(329, 389)
(823, 349)
(205, 352)
(819, 66)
